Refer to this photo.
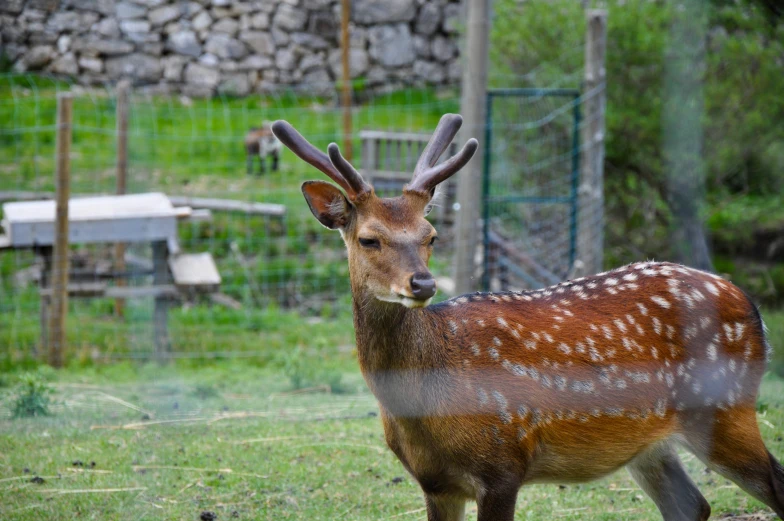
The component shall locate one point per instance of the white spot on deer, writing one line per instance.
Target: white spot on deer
(547, 336)
(655, 353)
(705, 323)
(697, 295)
(595, 356)
(626, 343)
(577, 288)
(461, 300)
(464, 321)
(592, 285)
(579, 347)
(545, 381)
(453, 327)
(496, 341)
(712, 352)
(696, 387)
(620, 383)
(565, 349)
(583, 386)
(620, 325)
(610, 281)
(638, 377)
(530, 344)
(670, 332)
(502, 322)
(630, 277)
(728, 332)
(661, 301)
(732, 365)
(640, 330)
(475, 349)
(516, 334)
(558, 318)
(712, 288)
(739, 328)
(747, 352)
(481, 394)
(613, 411)
(593, 328)
(643, 309)
(535, 335)
(670, 380)
(527, 298)
(612, 291)
(650, 272)
(493, 352)
(690, 332)
(480, 323)
(560, 383)
(607, 332)
(506, 298)
(565, 302)
(521, 434)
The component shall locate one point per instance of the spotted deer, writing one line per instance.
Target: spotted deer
(487, 392)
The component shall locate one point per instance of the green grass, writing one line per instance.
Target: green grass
(233, 438)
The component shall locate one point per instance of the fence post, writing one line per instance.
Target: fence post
(590, 235)
(123, 88)
(59, 302)
(469, 181)
(345, 43)
(161, 277)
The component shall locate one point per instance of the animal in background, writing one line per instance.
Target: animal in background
(487, 392)
(261, 142)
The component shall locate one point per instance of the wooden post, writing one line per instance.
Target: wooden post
(345, 42)
(123, 88)
(473, 108)
(59, 300)
(160, 277)
(590, 227)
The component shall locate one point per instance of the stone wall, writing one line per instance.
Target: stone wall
(200, 47)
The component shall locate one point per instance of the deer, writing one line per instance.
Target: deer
(261, 142)
(486, 392)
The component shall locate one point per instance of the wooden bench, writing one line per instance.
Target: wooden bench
(388, 161)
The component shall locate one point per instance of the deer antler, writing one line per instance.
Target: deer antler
(427, 174)
(335, 166)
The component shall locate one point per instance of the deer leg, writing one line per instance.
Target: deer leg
(497, 505)
(659, 472)
(262, 164)
(731, 445)
(444, 508)
(249, 163)
(275, 161)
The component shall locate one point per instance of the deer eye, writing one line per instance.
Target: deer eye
(433, 240)
(369, 243)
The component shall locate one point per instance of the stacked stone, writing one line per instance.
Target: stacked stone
(235, 47)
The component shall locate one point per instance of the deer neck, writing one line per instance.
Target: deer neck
(398, 352)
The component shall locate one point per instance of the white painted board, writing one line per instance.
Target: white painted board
(116, 218)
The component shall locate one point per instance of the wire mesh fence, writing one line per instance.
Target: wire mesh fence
(194, 148)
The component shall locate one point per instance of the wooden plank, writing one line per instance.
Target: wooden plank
(230, 205)
(194, 270)
(60, 229)
(100, 289)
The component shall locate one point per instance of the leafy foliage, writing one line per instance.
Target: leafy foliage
(742, 77)
(32, 396)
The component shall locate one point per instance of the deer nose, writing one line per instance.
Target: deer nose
(423, 286)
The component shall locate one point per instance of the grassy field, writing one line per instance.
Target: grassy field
(144, 442)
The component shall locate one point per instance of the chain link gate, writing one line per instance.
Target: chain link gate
(530, 181)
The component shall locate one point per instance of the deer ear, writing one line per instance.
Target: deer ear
(327, 203)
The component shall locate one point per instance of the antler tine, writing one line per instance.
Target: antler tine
(429, 179)
(354, 178)
(442, 136)
(308, 153)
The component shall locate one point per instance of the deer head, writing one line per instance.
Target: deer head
(389, 241)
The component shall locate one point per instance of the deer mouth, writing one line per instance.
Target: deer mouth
(406, 300)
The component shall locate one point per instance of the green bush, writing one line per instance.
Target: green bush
(742, 81)
(32, 396)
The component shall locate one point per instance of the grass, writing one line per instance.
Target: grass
(135, 442)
